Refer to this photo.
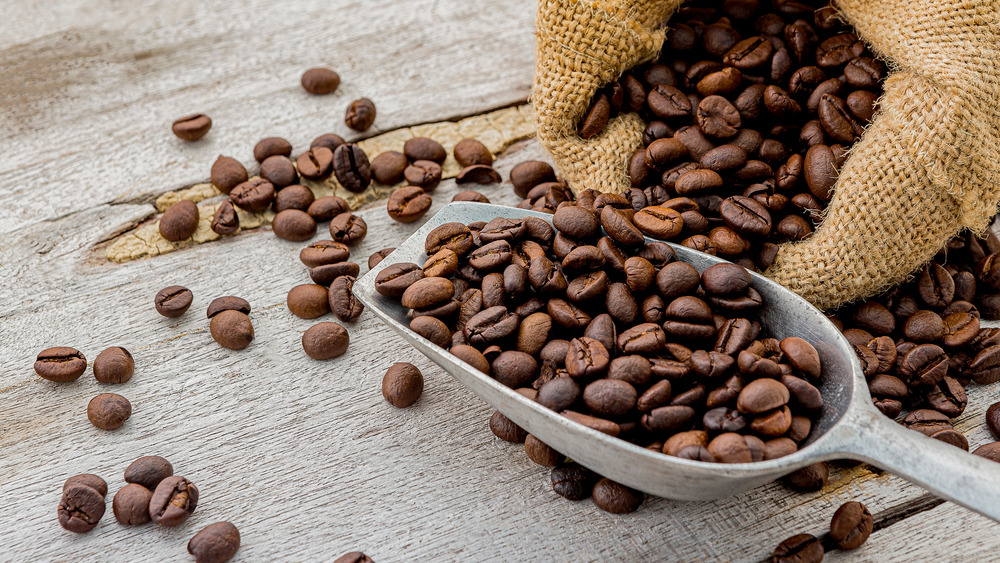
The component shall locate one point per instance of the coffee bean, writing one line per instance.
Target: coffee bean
(131, 505)
(325, 341)
(232, 329)
(470, 195)
(328, 140)
(89, 480)
(396, 278)
(180, 221)
(762, 395)
(253, 195)
(529, 174)
(327, 207)
(541, 453)
(668, 102)
(478, 174)
(469, 152)
(114, 365)
(343, 303)
(271, 146)
(60, 364)
(616, 498)
(423, 173)
(148, 471)
(215, 543)
(323, 252)
(573, 481)
(314, 164)
(424, 148)
(408, 204)
(353, 557)
(348, 228)
(360, 114)
(851, 525)
(717, 117)
(402, 385)
(173, 501)
(294, 197)
(596, 117)
(192, 127)
(610, 397)
(802, 355)
(837, 120)
(838, 50)
(749, 54)
(388, 167)
(225, 221)
(308, 301)
(278, 170)
(227, 173)
(320, 81)
(109, 411)
(984, 367)
(294, 225)
(800, 548)
(425, 293)
(351, 167)
(376, 258)
(81, 508)
(745, 215)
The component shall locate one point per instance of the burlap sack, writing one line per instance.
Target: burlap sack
(927, 166)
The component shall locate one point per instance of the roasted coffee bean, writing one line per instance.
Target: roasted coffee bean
(343, 303)
(514, 368)
(668, 102)
(402, 385)
(328, 140)
(924, 326)
(491, 325)
(131, 505)
(192, 127)
(749, 54)
(558, 394)
(351, 167)
(800, 548)
(745, 215)
(948, 397)
(851, 525)
(478, 174)
(802, 355)
(360, 114)
(173, 501)
(387, 168)
(314, 164)
(294, 225)
(396, 278)
(323, 252)
(215, 543)
(81, 508)
(984, 367)
(227, 173)
(271, 146)
(717, 117)
(762, 395)
(470, 152)
(924, 365)
(659, 222)
(172, 301)
(148, 471)
(424, 148)
(408, 204)
(837, 120)
(320, 81)
(529, 174)
(113, 365)
(325, 341)
(308, 301)
(326, 274)
(616, 498)
(348, 228)
(541, 453)
(573, 481)
(376, 258)
(425, 293)
(353, 557)
(180, 221)
(423, 173)
(232, 329)
(809, 478)
(504, 428)
(225, 221)
(89, 480)
(278, 170)
(253, 195)
(470, 195)
(61, 363)
(326, 208)
(109, 411)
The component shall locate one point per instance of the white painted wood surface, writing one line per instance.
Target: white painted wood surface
(305, 457)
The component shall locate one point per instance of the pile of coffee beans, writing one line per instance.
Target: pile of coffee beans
(152, 493)
(107, 411)
(850, 527)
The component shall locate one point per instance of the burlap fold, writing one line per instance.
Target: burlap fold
(926, 167)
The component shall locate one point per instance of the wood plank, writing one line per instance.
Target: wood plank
(88, 94)
(306, 457)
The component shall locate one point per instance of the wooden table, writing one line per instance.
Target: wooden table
(305, 457)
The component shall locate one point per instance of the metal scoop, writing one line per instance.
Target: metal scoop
(850, 427)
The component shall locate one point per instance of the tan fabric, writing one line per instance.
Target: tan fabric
(582, 46)
(927, 166)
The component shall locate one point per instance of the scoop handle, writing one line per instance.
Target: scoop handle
(945, 470)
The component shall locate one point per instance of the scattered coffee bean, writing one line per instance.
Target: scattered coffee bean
(89, 480)
(308, 301)
(616, 498)
(328, 140)
(81, 508)
(387, 168)
(192, 127)
(424, 148)
(325, 341)
(402, 385)
(232, 329)
(408, 204)
(180, 221)
(327, 273)
(351, 167)
(227, 303)
(215, 543)
(470, 195)
(148, 471)
(323, 252)
(294, 225)
(315, 164)
(851, 525)
(60, 364)
(227, 173)
(376, 258)
(541, 453)
(478, 174)
(573, 481)
(173, 501)
(469, 152)
(327, 207)
(343, 303)
(131, 505)
(360, 114)
(173, 301)
(253, 195)
(225, 221)
(504, 428)
(109, 411)
(271, 146)
(348, 228)
(800, 548)
(423, 173)
(353, 557)
(114, 365)
(320, 81)
(279, 171)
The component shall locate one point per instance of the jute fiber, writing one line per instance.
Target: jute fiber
(926, 167)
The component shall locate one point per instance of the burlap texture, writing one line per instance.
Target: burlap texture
(926, 167)
(582, 46)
